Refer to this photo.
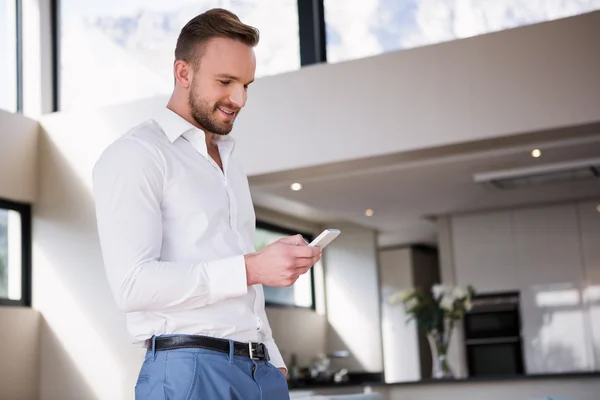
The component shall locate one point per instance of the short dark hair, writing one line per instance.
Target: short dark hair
(213, 23)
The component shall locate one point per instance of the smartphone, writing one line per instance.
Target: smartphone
(325, 238)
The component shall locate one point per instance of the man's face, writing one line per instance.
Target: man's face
(220, 83)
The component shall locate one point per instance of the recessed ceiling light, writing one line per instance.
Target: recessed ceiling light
(296, 186)
(369, 212)
(536, 153)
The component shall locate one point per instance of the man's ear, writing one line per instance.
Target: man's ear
(183, 73)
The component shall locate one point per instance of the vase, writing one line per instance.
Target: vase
(439, 343)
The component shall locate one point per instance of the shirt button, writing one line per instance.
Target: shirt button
(258, 323)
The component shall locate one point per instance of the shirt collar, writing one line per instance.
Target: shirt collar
(174, 126)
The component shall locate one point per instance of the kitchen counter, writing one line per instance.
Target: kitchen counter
(356, 379)
(375, 380)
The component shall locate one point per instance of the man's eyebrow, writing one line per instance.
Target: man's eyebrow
(231, 77)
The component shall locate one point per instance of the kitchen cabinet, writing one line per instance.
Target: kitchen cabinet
(551, 255)
(555, 333)
(589, 219)
(547, 245)
(550, 273)
(483, 251)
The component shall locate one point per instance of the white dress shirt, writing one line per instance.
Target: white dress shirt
(173, 230)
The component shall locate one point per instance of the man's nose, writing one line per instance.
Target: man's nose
(238, 97)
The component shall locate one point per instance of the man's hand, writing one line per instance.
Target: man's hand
(283, 371)
(282, 262)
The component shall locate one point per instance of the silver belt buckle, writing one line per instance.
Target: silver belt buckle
(251, 352)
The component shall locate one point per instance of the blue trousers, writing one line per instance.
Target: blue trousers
(199, 374)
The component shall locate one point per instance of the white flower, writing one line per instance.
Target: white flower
(447, 303)
(438, 291)
(459, 293)
(468, 305)
(398, 297)
(395, 298)
(410, 304)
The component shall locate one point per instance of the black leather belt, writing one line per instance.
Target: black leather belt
(252, 350)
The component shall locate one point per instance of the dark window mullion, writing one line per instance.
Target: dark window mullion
(26, 255)
(313, 41)
(55, 32)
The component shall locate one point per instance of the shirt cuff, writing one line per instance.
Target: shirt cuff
(275, 354)
(227, 278)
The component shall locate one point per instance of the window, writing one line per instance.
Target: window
(15, 229)
(301, 293)
(8, 55)
(358, 28)
(115, 52)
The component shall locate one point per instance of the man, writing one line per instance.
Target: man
(176, 226)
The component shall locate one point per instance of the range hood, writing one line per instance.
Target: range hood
(542, 175)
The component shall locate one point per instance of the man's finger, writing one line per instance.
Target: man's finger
(307, 252)
(303, 267)
(296, 240)
(305, 270)
(302, 263)
(306, 262)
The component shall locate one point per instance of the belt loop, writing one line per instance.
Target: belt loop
(153, 348)
(230, 351)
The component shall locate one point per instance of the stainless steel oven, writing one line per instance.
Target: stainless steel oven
(493, 336)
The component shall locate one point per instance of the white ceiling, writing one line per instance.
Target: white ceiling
(406, 191)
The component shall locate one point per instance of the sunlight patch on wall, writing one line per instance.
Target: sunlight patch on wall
(94, 359)
(350, 323)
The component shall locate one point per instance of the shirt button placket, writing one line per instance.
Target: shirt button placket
(233, 213)
(234, 227)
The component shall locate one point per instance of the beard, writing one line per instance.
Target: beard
(204, 114)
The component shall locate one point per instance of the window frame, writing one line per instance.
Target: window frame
(308, 236)
(312, 32)
(55, 49)
(24, 210)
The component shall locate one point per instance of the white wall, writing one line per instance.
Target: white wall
(299, 331)
(352, 298)
(19, 353)
(400, 342)
(548, 254)
(18, 151)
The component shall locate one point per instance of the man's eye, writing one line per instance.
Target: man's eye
(225, 83)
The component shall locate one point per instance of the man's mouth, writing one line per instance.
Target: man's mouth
(227, 113)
